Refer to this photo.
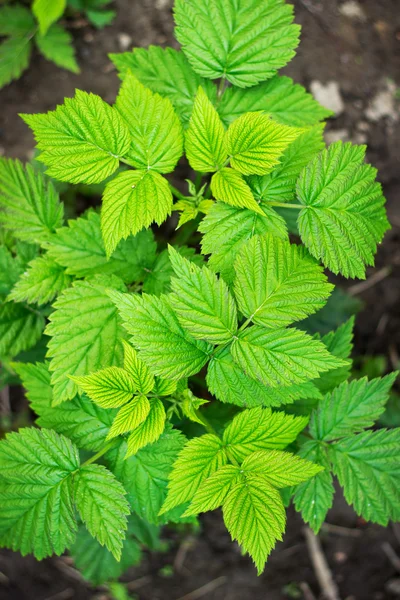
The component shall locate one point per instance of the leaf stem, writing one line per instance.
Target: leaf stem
(176, 192)
(207, 425)
(126, 162)
(285, 205)
(100, 453)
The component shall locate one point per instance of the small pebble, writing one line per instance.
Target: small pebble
(124, 41)
(352, 10)
(328, 95)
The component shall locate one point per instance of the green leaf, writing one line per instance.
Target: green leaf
(20, 328)
(149, 430)
(157, 279)
(15, 20)
(368, 468)
(205, 136)
(313, 498)
(145, 475)
(202, 302)
(131, 201)
(261, 429)
(255, 143)
(276, 283)
(15, 53)
(96, 563)
(190, 405)
(130, 416)
(280, 357)
(109, 388)
(100, 500)
(265, 517)
(342, 217)
(10, 271)
(56, 45)
(339, 343)
(47, 12)
(36, 508)
(226, 228)
(351, 407)
(86, 334)
(199, 459)
(166, 348)
(244, 43)
(167, 72)
(42, 281)
(36, 381)
(227, 185)
(80, 248)
(82, 140)
(213, 490)
(280, 469)
(156, 132)
(138, 371)
(285, 101)
(101, 18)
(228, 383)
(30, 205)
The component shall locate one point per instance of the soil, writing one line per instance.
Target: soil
(363, 57)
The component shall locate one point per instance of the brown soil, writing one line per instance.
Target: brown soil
(361, 56)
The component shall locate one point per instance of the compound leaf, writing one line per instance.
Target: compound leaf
(130, 416)
(15, 53)
(41, 282)
(280, 469)
(15, 20)
(20, 328)
(149, 430)
(109, 388)
(213, 490)
(228, 185)
(138, 371)
(47, 12)
(56, 45)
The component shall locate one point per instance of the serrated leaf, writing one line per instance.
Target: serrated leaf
(42, 281)
(202, 302)
(138, 371)
(205, 137)
(100, 500)
(20, 328)
(285, 101)
(163, 387)
(130, 416)
(199, 459)
(131, 201)
(276, 283)
(261, 429)
(157, 279)
(167, 72)
(156, 132)
(314, 498)
(15, 53)
(213, 490)
(36, 381)
(81, 141)
(282, 356)
(80, 248)
(226, 228)
(56, 45)
(167, 349)
(30, 205)
(109, 388)
(351, 407)
(265, 517)
(47, 12)
(190, 405)
(255, 143)
(149, 430)
(339, 343)
(246, 43)
(100, 18)
(15, 20)
(280, 469)
(10, 271)
(342, 217)
(36, 508)
(368, 468)
(228, 185)
(86, 334)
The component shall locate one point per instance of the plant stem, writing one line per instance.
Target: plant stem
(221, 87)
(197, 181)
(176, 192)
(126, 162)
(285, 205)
(100, 453)
(207, 425)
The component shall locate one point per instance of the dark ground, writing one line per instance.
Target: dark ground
(363, 57)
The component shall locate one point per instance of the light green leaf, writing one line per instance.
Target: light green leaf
(280, 469)
(80, 248)
(227, 185)
(30, 205)
(138, 371)
(342, 217)
(149, 430)
(130, 416)
(351, 407)
(56, 45)
(131, 201)
(47, 12)
(86, 334)
(285, 101)
(157, 279)
(36, 508)
(166, 348)
(205, 136)
(10, 271)
(261, 429)
(246, 43)
(15, 53)
(226, 228)
(213, 490)
(42, 281)
(339, 343)
(265, 517)
(368, 468)
(100, 500)
(190, 405)
(20, 328)
(199, 459)
(276, 283)
(202, 302)
(255, 143)
(15, 20)
(82, 140)
(156, 132)
(282, 356)
(109, 388)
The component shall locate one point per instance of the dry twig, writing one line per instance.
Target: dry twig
(204, 589)
(342, 531)
(359, 288)
(392, 556)
(321, 568)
